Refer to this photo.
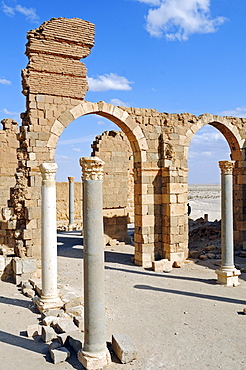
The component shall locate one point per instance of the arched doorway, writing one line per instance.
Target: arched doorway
(138, 145)
(233, 140)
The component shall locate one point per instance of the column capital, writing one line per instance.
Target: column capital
(71, 179)
(92, 168)
(227, 167)
(48, 170)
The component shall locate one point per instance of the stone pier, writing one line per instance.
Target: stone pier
(94, 354)
(71, 203)
(227, 273)
(49, 298)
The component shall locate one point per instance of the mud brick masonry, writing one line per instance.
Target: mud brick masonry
(54, 83)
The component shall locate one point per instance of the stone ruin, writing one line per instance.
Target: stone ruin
(54, 83)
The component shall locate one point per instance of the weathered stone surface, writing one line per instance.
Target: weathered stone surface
(48, 334)
(59, 355)
(33, 330)
(66, 326)
(91, 362)
(123, 347)
(62, 338)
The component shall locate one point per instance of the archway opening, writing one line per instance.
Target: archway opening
(95, 135)
(211, 143)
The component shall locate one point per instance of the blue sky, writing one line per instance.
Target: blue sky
(172, 55)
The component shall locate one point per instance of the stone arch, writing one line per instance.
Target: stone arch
(227, 129)
(139, 147)
(116, 114)
(234, 139)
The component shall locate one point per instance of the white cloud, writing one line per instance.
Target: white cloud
(76, 149)
(207, 154)
(6, 111)
(101, 122)
(110, 81)
(8, 10)
(62, 158)
(118, 102)
(29, 13)
(151, 2)
(85, 139)
(3, 81)
(238, 112)
(179, 19)
(208, 138)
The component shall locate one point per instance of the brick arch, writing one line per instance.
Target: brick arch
(117, 115)
(236, 143)
(226, 128)
(139, 147)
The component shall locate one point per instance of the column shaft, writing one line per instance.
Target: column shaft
(94, 354)
(227, 274)
(227, 221)
(49, 297)
(71, 200)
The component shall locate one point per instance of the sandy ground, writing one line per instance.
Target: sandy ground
(204, 199)
(177, 320)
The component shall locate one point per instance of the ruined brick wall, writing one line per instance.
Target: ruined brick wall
(114, 149)
(8, 165)
(54, 81)
(8, 159)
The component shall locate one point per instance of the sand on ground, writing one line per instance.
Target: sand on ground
(177, 320)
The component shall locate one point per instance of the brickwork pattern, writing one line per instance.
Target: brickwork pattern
(114, 149)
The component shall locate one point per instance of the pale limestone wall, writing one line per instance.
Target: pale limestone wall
(8, 165)
(114, 149)
(159, 143)
(62, 202)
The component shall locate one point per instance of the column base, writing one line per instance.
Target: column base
(228, 277)
(44, 304)
(94, 361)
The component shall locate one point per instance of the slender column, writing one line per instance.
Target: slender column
(71, 203)
(227, 274)
(94, 355)
(49, 297)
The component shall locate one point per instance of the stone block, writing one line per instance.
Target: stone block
(95, 362)
(48, 334)
(33, 330)
(66, 326)
(52, 312)
(123, 347)
(50, 320)
(62, 338)
(17, 265)
(76, 340)
(59, 355)
(29, 265)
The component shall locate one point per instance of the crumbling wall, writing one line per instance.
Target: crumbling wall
(53, 82)
(8, 165)
(114, 149)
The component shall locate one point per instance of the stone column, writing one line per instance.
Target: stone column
(71, 203)
(94, 354)
(49, 298)
(227, 273)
